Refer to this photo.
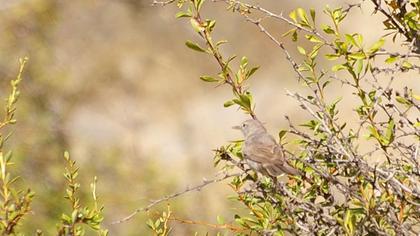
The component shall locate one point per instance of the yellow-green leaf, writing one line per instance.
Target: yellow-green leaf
(293, 15)
(194, 46)
(376, 46)
(301, 50)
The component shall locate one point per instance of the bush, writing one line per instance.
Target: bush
(15, 204)
(343, 192)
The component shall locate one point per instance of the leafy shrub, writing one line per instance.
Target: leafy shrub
(15, 204)
(343, 192)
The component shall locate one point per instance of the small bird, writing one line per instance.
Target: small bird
(262, 152)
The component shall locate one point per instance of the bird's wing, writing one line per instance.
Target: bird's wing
(264, 149)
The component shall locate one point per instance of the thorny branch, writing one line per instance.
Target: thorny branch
(198, 187)
(339, 147)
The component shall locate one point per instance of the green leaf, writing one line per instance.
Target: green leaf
(313, 14)
(252, 71)
(244, 62)
(374, 133)
(208, 78)
(350, 40)
(359, 40)
(301, 50)
(389, 135)
(194, 46)
(359, 66)
(406, 65)
(292, 16)
(391, 59)
(327, 29)
(288, 32)
(221, 42)
(376, 46)
(402, 100)
(294, 36)
(220, 220)
(198, 4)
(183, 14)
(196, 25)
(358, 55)
(332, 57)
(302, 15)
(315, 51)
(282, 134)
(228, 103)
(210, 25)
(325, 83)
(313, 38)
(338, 67)
(245, 100)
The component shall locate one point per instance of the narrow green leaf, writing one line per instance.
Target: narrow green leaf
(294, 36)
(301, 50)
(338, 67)
(402, 100)
(288, 32)
(389, 134)
(313, 38)
(374, 133)
(391, 59)
(244, 61)
(302, 15)
(358, 55)
(350, 40)
(210, 25)
(208, 78)
(331, 57)
(359, 66)
(359, 40)
(282, 134)
(220, 220)
(182, 14)
(313, 15)
(327, 29)
(376, 46)
(228, 103)
(194, 46)
(407, 65)
(252, 71)
(221, 42)
(196, 25)
(293, 15)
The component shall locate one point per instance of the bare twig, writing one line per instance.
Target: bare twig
(198, 187)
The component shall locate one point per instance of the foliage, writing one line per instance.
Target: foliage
(343, 192)
(160, 225)
(72, 224)
(16, 204)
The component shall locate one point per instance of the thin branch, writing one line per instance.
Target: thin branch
(162, 3)
(206, 224)
(198, 187)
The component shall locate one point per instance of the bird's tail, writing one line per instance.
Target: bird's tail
(278, 168)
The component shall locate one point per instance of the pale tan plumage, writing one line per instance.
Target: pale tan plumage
(262, 152)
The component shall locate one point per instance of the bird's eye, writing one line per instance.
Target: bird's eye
(243, 125)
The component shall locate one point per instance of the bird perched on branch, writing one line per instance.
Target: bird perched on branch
(262, 152)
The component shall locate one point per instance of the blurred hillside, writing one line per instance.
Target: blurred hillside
(112, 82)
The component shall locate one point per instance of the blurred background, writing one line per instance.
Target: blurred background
(112, 82)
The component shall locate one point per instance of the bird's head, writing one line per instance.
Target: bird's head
(250, 127)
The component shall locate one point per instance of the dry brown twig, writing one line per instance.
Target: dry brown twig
(205, 182)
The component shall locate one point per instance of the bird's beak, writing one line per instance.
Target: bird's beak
(236, 127)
